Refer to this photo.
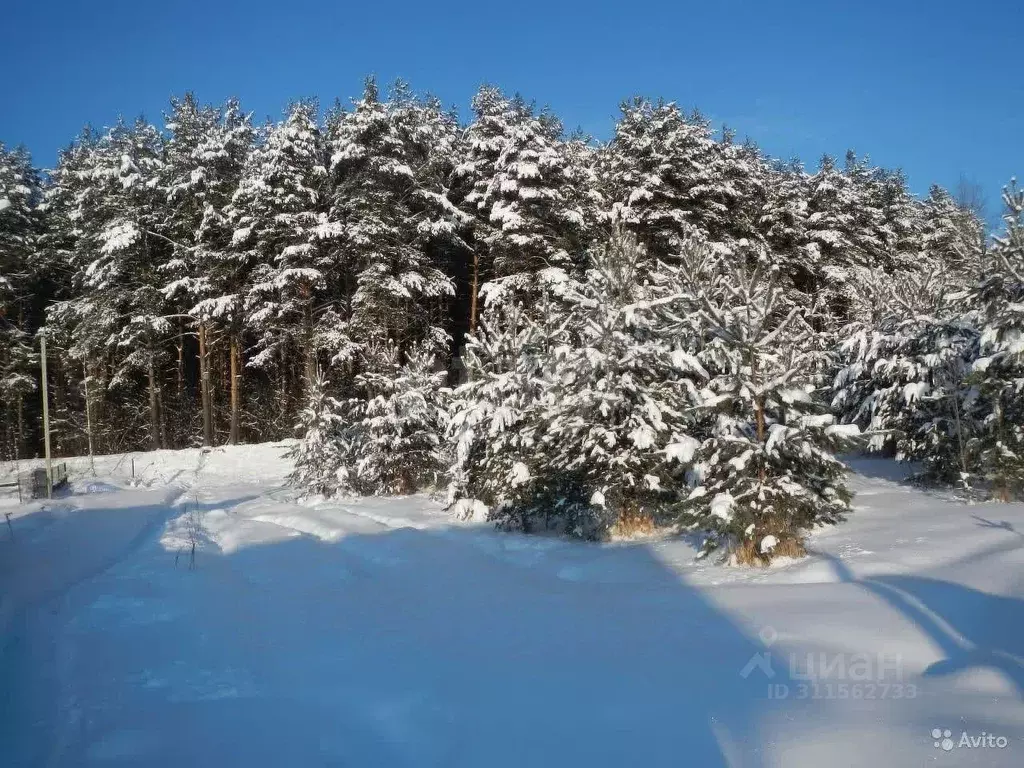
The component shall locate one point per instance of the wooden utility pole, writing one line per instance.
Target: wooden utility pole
(46, 416)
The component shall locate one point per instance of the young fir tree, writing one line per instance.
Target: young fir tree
(767, 472)
(493, 425)
(394, 437)
(1000, 369)
(320, 453)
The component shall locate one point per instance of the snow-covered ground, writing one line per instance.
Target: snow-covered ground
(380, 632)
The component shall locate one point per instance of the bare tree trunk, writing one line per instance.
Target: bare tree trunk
(154, 405)
(204, 386)
(236, 376)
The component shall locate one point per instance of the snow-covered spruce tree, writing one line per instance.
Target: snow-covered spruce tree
(768, 471)
(615, 421)
(999, 371)
(394, 429)
(320, 454)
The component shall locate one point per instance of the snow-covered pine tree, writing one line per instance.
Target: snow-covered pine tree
(831, 202)
(389, 219)
(117, 311)
(494, 413)
(82, 332)
(768, 471)
(528, 219)
(320, 453)
(20, 230)
(999, 371)
(900, 220)
(904, 360)
(396, 427)
(952, 237)
(616, 420)
(668, 178)
(277, 217)
(783, 223)
(205, 153)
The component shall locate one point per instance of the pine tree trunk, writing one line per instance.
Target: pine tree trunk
(1001, 481)
(59, 403)
(204, 386)
(181, 364)
(310, 352)
(19, 444)
(88, 411)
(99, 408)
(758, 412)
(154, 405)
(282, 393)
(163, 416)
(236, 383)
(474, 287)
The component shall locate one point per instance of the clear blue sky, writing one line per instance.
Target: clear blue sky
(933, 87)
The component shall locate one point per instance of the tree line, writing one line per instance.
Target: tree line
(218, 281)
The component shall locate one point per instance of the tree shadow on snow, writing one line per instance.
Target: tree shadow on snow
(972, 629)
(419, 648)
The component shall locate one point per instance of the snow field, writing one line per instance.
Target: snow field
(380, 631)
